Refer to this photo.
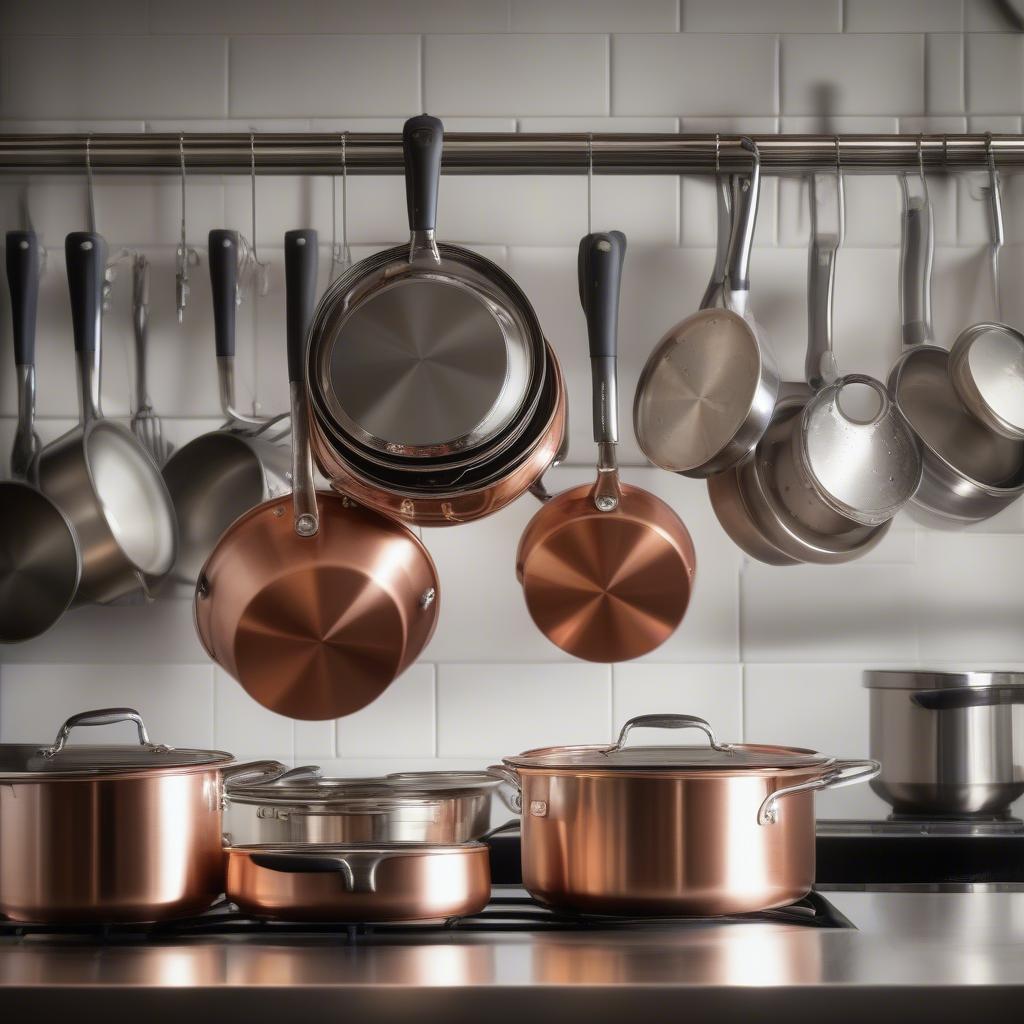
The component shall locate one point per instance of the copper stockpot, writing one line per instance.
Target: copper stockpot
(723, 829)
(111, 833)
(360, 882)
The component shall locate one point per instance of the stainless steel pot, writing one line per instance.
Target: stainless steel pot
(301, 807)
(111, 833)
(950, 743)
(672, 830)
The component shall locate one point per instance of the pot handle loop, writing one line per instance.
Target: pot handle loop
(251, 772)
(102, 716)
(668, 721)
(514, 801)
(841, 773)
(358, 870)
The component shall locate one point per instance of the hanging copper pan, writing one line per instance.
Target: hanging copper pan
(314, 613)
(607, 569)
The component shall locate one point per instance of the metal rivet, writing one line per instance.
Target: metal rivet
(226, 243)
(86, 246)
(305, 525)
(605, 503)
(23, 244)
(278, 512)
(427, 597)
(300, 241)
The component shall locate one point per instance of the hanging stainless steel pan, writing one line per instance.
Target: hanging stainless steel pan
(313, 604)
(425, 350)
(39, 561)
(220, 475)
(970, 471)
(986, 362)
(98, 473)
(706, 394)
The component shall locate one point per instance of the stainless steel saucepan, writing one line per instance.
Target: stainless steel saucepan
(39, 560)
(220, 475)
(951, 743)
(98, 473)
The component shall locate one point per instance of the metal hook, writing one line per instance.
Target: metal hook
(718, 154)
(590, 183)
(340, 255)
(920, 157)
(995, 207)
(254, 270)
(184, 257)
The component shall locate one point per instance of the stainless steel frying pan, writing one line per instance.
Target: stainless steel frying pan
(98, 474)
(39, 562)
(425, 351)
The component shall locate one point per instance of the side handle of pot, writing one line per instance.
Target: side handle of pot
(513, 800)
(253, 771)
(839, 773)
(968, 697)
(358, 871)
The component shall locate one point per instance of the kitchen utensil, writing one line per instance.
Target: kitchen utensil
(145, 423)
(113, 832)
(471, 493)
(836, 463)
(303, 807)
(424, 350)
(607, 569)
(986, 362)
(671, 830)
(950, 743)
(39, 561)
(220, 475)
(970, 472)
(98, 473)
(360, 882)
(706, 394)
(852, 456)
(314, 613)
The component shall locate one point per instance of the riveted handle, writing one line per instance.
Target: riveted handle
(102, 716)
(422, 145)
(916, 252)
(86, 255)
(837, 774)
(223, 249)
(667, 721)
(826, 198)
(358, 870)
(511, 779)
(745, 195)
(23, 281)
(301, 257)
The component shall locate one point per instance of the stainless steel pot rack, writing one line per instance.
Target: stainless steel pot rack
(512, 153)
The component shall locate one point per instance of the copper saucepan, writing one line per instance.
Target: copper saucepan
(672, 830)
(314, 613)
(607, 569)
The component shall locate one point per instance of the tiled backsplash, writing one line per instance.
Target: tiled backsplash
(764, 653)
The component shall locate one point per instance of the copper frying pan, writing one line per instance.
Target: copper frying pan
(314, 613)
(607, 569)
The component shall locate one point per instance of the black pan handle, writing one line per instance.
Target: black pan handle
(968, 697)
(301, 258)
(422, 145)
(23, 280)
(86, 255)
(223, 247)
(600, 275)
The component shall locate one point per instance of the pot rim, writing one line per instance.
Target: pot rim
(672, 774)
(386, 850)
(938, 679)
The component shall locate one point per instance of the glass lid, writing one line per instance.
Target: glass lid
(713, 756)
(83, 759)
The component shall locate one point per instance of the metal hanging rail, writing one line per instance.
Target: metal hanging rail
(512, 153)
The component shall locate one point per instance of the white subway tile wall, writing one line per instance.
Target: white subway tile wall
(765, 654)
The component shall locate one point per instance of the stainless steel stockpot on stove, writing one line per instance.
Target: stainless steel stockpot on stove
(951, 743)
(301, 807)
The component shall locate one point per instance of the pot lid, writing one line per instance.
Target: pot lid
(714, 756)
(84, 759)
(308, 785)
(902, 679)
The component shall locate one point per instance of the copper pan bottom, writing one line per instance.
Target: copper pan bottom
(606, 586)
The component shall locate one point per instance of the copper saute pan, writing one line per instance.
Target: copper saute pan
(317, 611)
(607, 569)
(92, 833)
(672, 830)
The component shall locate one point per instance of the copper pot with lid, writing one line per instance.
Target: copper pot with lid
(114, 832)
(671, 830)
(302, 807)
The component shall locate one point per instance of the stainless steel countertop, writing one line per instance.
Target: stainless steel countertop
(920, 955)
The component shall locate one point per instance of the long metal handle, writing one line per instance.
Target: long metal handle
(668, 721)
(826, 197)
(85, 253)
(140, 325)
(102, 716)
(307, 153)
(916, 253)
(839, 773)
(723, 206)
(745, 195)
